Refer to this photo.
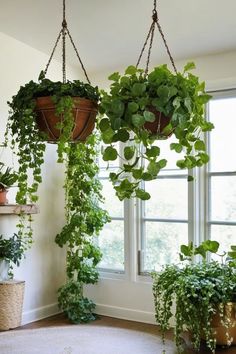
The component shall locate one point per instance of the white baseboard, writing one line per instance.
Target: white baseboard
(40, 313)
(125, 313)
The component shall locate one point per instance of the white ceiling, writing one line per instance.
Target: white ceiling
(109, 33)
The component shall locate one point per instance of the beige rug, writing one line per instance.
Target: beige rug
(81, 339)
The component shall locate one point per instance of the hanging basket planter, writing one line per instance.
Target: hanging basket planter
(59, 112)
(144, 107)
(84, 113)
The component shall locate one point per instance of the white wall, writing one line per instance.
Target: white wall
(130, 296)
(44, 266)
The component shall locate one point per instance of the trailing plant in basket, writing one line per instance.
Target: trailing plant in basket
(85, 219)
(133, 111)
(199, 290)
(27, 141)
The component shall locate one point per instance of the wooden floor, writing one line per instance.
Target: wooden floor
(61, 320)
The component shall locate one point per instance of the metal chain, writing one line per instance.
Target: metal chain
(63, 32)
(155, 20)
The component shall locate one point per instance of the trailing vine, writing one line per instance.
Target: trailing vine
(85, 219)
(29, 144)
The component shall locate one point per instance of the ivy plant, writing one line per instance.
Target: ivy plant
(26, 140)
(135, 100)
(85, 219)
(29, 144)
(199, 290)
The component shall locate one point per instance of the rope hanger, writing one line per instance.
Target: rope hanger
(150, 36)
(63, 32)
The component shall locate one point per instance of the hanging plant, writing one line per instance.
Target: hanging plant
(47, 111)
(142, 108)
(85, 219)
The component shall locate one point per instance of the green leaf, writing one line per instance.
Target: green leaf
(232, 255)
(204, 157)
(137, 173)
(138, 120)
(190, 178)
(189, 66)
(154, 151)
(113, 176)
(107, 136)
(129, 152)
(131, 70)
(114, 77)
(110, 154)
(203, 99)
(104, 124)
(187, 250)
(147, 176)
(162, 163)
(233, 248)
(122, 135)
(149, 116)
(116, 123)
(153, 168)
(141, 194)
(200, 145)
(138, 89)
(177, 147)
(133, 107)
(118, 107)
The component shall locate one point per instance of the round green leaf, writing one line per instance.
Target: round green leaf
(110, 154)
(149, 116)
(129, 152)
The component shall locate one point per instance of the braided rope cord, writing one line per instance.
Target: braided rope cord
(63, 32)
(150, 36)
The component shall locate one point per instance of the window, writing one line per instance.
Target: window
(221, 224)
(164, 218)
(111, 239)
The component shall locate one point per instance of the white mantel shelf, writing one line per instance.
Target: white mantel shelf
(16, 209)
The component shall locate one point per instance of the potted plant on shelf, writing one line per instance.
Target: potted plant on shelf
(7, 179)
(11, 291)
(47, 111)
(85, 219)
(204, 295)
(141, 109)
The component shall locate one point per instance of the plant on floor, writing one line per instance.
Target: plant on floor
(11, 251)
(85, 219)
(199, 291)
(141, 109)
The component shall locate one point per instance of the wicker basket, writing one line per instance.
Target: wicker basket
(11, 303)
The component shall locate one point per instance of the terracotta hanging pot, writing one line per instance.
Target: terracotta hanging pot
(160, 123)
(3, 196)
(84, 114)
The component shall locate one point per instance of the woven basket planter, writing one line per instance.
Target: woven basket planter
(84, 114)
(11, 303)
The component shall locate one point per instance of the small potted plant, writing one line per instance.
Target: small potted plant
(11, 291)
(11, 252)
(7, 179)
(204, 295)
(47, 111)
(141, 109)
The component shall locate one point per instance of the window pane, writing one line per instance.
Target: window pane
(222, 138)
(223, 198)
(112, 203)
(111, 242)
(162, 245)
(225, 235)
(169, 199)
